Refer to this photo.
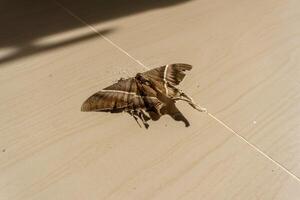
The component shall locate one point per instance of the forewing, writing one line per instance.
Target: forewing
(173, 73)
(166, 78)
(121, 96)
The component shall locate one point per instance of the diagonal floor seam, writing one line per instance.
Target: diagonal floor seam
(243, 139)
(254, 147)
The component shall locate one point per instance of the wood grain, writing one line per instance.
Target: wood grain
(245, 72)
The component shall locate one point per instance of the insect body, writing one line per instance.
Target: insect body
(146, 96)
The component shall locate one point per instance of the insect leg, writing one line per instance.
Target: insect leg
(133, 114)
(142, 116)
(145, 115)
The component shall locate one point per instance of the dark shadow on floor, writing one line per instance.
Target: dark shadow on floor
(30, 49)
(25, 22)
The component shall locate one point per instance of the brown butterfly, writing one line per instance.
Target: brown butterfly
(146, 96)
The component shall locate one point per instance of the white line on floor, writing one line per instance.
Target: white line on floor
(254, 147)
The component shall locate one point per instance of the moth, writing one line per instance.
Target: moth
(147, 96)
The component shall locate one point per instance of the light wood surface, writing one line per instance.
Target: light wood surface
(246, 72)
(246, 58)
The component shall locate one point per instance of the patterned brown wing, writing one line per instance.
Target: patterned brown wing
(172, 73)
(121, 96)
(166, 78)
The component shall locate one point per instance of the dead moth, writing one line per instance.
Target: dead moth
(146, 96)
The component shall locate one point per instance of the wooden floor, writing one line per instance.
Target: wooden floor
(246, 58)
